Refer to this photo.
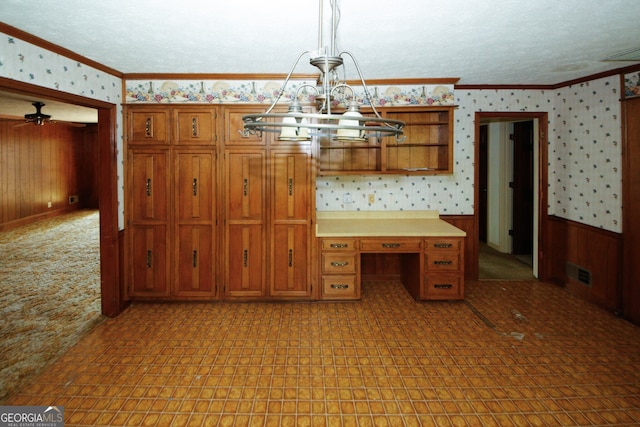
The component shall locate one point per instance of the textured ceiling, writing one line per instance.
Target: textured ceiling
(478, 41)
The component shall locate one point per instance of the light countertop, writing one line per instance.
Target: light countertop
(384, 223)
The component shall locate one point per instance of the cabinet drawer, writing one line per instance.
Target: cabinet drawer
(340, 287)
(443, 286)
(390, 245)
(442, 261)
(338, 244)
(434, 244)
(338, 263)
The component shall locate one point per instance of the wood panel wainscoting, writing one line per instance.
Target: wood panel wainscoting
(579, 254)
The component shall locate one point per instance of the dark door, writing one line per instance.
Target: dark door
(522, 231)
(482, 208)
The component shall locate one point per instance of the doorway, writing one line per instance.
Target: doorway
(110, 286)
(510, 190)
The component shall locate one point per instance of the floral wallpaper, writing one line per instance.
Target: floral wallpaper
(28, 63)
(265, 92)
(585, 154)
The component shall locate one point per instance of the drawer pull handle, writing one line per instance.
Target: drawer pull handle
(339, 286)
(391, 245)
(443, 286)
(194, 186)
(442, 245)
(195, 259)
(245, 187)
(194, 127)
(290, 257)
(148, 126)
(442, 262)
(290, 186)
(245, 258)
(339, 264)
(147, 187)
(149, 258)
(339, 245)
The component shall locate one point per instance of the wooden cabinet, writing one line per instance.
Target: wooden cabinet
(149, 186)
(432, 268)
(290, 222)
(426, 146)
(339, 269)
(195, 231)
(269, 198)
(171, 204)
(443, 268)
(148, 255)
(194, 126)
(149, 221)
(148, 126)
(245, 222)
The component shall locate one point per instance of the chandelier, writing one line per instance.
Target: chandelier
(297, 125)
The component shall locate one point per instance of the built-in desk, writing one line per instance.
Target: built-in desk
(432, 251)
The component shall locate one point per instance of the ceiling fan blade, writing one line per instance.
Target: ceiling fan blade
(72, 124)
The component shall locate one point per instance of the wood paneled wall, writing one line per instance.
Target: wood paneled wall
(595, 250)
(42, 164)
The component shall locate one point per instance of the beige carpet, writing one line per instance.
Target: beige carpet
(495, 265)
(49, 292)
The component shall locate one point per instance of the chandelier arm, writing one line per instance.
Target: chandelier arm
(344, 85)
(367, 95)
(286, 81)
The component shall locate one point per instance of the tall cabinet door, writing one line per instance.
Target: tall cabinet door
(149, 186)
(149, 255)
(149, 221)
(290, 251)
(195, 186)
(245, 214)
(195, 222)
(195, 275)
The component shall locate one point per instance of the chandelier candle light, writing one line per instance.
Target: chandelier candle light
(296, 125)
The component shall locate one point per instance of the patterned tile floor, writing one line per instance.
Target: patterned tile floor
(511, 354)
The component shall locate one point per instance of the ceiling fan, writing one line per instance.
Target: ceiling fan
(39, 118)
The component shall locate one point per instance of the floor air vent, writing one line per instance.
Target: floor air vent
(578, 273)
